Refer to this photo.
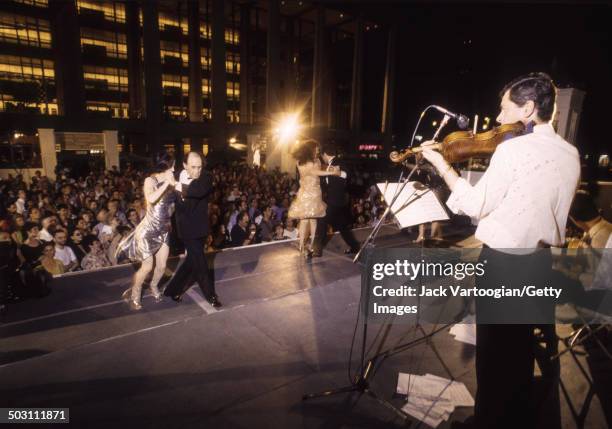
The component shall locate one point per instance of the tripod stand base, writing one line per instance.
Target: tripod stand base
(361, 387)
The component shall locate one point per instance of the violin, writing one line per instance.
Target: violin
(460, 146)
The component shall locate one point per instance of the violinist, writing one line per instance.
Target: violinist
(521, 202)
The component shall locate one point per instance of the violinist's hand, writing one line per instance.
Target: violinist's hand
(433, 156)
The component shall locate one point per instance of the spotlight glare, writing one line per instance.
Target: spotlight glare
(288, 128)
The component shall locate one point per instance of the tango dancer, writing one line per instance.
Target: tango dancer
(148, 243)
(192, 223)
(337, 213)
(308, 205)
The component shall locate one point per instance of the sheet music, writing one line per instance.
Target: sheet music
(415, 205)
(432, 399)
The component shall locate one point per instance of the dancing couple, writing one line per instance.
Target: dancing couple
(148, 243)
(308, 206)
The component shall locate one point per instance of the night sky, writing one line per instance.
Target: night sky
(461, 55)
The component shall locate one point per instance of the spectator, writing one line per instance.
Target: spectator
(95, 258)
(18, 235)
(46, 233)
(278, 233)
(240, 232)
(64, 253)
(48, 261)
(21, 201)
(290, 230)
(132, 218)
(103, 230)
(31, 250)
(76, 244)
(266, 227)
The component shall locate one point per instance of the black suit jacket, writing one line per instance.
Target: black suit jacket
(192, 208)
(335, 186)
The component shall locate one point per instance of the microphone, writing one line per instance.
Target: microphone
(462, 120)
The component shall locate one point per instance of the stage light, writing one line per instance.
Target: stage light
(288, 127)
(232, 140)
(434, 123)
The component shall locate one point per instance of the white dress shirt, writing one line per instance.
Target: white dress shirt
(65, 254)
(524, 197)
(329, 165)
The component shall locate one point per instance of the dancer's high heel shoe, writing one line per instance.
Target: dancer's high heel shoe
(127, 297)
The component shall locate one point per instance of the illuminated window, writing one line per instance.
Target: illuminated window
(205, 31)
(205, 87)
(206, 59)
(232, 36)
(232, 62)
(111, 109)
(233, 116)
(178, 82)
(233, 90)
(167, 22)
(174, 50)
(113, 11)
(108, 78)
(25, 30)
(206, 113)
(114, 43)
(26, 82)
(37, 3)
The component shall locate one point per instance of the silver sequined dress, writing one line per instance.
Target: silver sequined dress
(152, 231)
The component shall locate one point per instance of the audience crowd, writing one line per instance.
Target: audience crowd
(75, 223)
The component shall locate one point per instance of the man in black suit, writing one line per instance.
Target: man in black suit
(192, 225)
(338, 212)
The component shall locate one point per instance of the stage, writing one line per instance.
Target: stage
(285, 329)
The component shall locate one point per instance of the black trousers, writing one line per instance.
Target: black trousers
(194, 267)
(339, 218)
(505, 353)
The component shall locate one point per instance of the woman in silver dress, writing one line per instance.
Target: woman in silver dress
(148, 242)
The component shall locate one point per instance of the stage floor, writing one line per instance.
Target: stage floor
(285, 329)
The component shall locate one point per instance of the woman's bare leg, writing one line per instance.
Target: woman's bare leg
(161, 257)
(139, 278)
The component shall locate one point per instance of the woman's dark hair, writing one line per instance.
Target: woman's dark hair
(29, 226)
(537, 87)
(304, 151)
(163, 161)
(89, 241)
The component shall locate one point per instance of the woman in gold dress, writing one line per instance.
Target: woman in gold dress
(308, 204)
(148, 242)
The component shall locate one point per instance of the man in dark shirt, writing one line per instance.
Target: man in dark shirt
(240, 235)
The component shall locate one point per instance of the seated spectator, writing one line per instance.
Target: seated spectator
(278, 233)
(64, 253)
(96, 257)
(20, 204)
(48, 262)
(76, 244)
(34, 215)
(103, 229)
(290, 230)
(31, 250)
(46, 233)
(241, 236)
(18, 235)
(132, 218)
(266, 226)
(220, 237)
(64, 217)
